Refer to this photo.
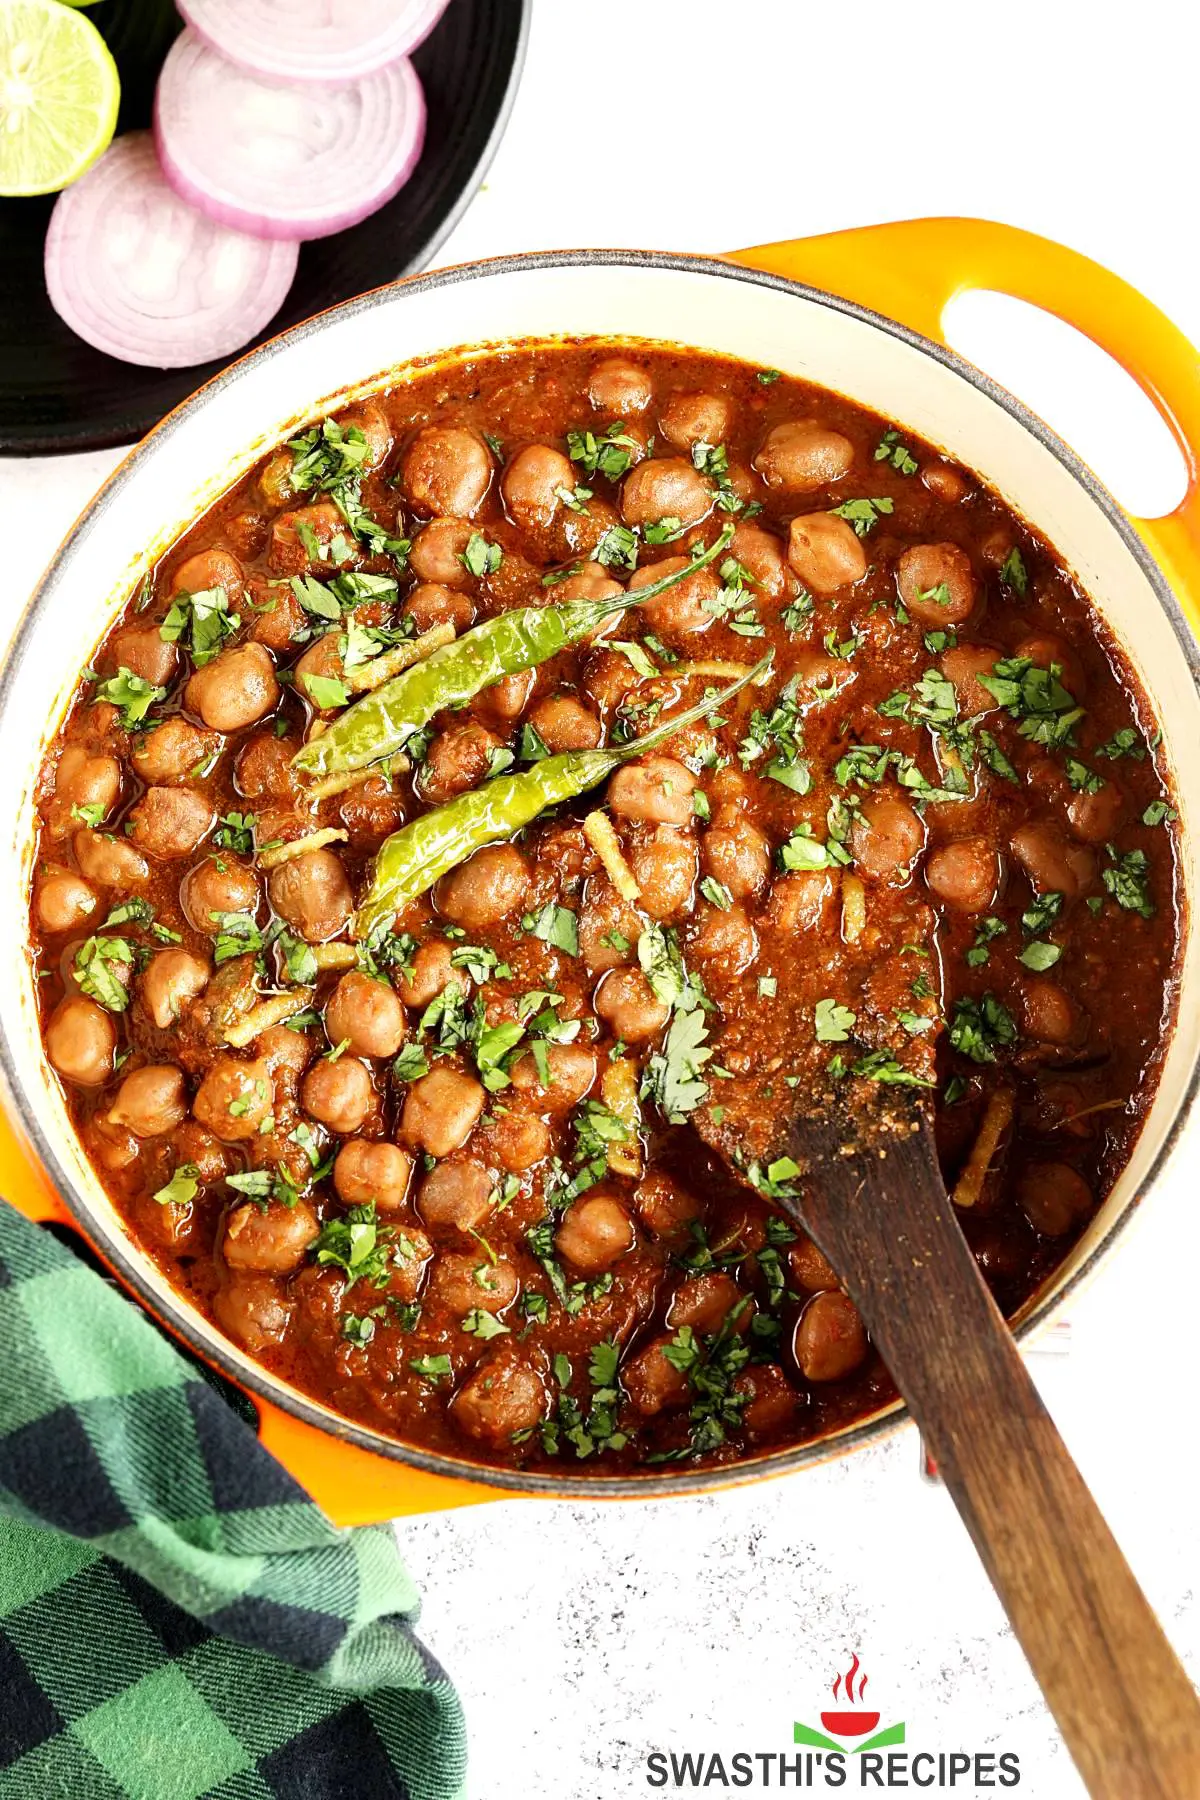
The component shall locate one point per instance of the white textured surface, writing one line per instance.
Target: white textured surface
(584, 1636)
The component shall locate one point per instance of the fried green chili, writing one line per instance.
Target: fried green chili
(419, 854)
(383, 721)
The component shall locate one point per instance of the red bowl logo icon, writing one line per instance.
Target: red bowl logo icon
(851, 1723)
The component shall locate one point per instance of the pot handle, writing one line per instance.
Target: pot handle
(352, 1486)
(23, 1181)
(356, 1487)
(912, 269)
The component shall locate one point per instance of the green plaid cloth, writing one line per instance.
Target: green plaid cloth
(177, 1618)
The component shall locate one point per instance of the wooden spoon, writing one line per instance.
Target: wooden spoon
(880, 1213)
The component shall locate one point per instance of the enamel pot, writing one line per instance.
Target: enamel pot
(858, 312)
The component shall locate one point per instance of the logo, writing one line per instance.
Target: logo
(850, 1750)
(849, 1720)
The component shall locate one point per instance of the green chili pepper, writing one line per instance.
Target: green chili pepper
(382, 722)
(419, 854)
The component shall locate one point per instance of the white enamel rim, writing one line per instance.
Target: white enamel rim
(184, 466)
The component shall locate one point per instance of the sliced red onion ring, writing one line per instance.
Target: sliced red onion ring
(284, 159)
(313, 40)
(143, 276)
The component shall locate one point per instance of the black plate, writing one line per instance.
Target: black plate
(57, 393)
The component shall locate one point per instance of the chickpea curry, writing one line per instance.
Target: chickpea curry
(567, 745)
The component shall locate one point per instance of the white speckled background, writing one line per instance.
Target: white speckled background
(583, 1637)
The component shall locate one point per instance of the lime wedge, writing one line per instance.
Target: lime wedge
(59, 92)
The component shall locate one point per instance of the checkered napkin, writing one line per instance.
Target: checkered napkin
(177, 1619)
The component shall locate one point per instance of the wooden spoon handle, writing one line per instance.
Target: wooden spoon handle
(1125, 1706)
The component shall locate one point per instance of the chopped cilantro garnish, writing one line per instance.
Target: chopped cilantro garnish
(617, 548)
(359, 1328)
(995, 758)
(342, 593)
(1042, 914)
(891, 449)
(493, 1047)
(986, 932)
(433, 1369)
(411, 1063)
(484, 1325)
(332, 457)
(1013, 572)
(798, 613)
(531, 746)
(1126, 742)
(133, 694)
(325, 691)
(662, 964)
(481, 558)
(356, 1242)
(298, 958)
(916, 1024)
(1034, 695)
(775, 1181)
(129, 912)
(981, 1027)
(1040, 956)
(711, 1365)
(712, 460)
(328, 454)
(574, 499)
(673, 1075)
(1128, 881)
(1081, 778)
(203, 618)
(182, 1188)
(881, 1066)
(636, 656)
(103, 967)
(305, 1138)
(804, 851)
(834, 1022)
(237, 935)
(235, 831)
(716, 893)
(386, 951)
(480, 962)
(263, 1185)
(864, 515)
(555, 925)
(609, 454)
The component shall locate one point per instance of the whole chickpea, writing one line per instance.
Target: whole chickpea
(366, 1172)
(338, 1094)
(236, 689)
(80, 1041)
(366, 1015)
(151, 1101)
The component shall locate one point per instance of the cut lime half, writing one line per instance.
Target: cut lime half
(59, 92)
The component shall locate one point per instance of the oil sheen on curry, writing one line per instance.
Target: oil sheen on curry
(567, 744)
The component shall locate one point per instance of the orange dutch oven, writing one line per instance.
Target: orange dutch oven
(859, 312)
